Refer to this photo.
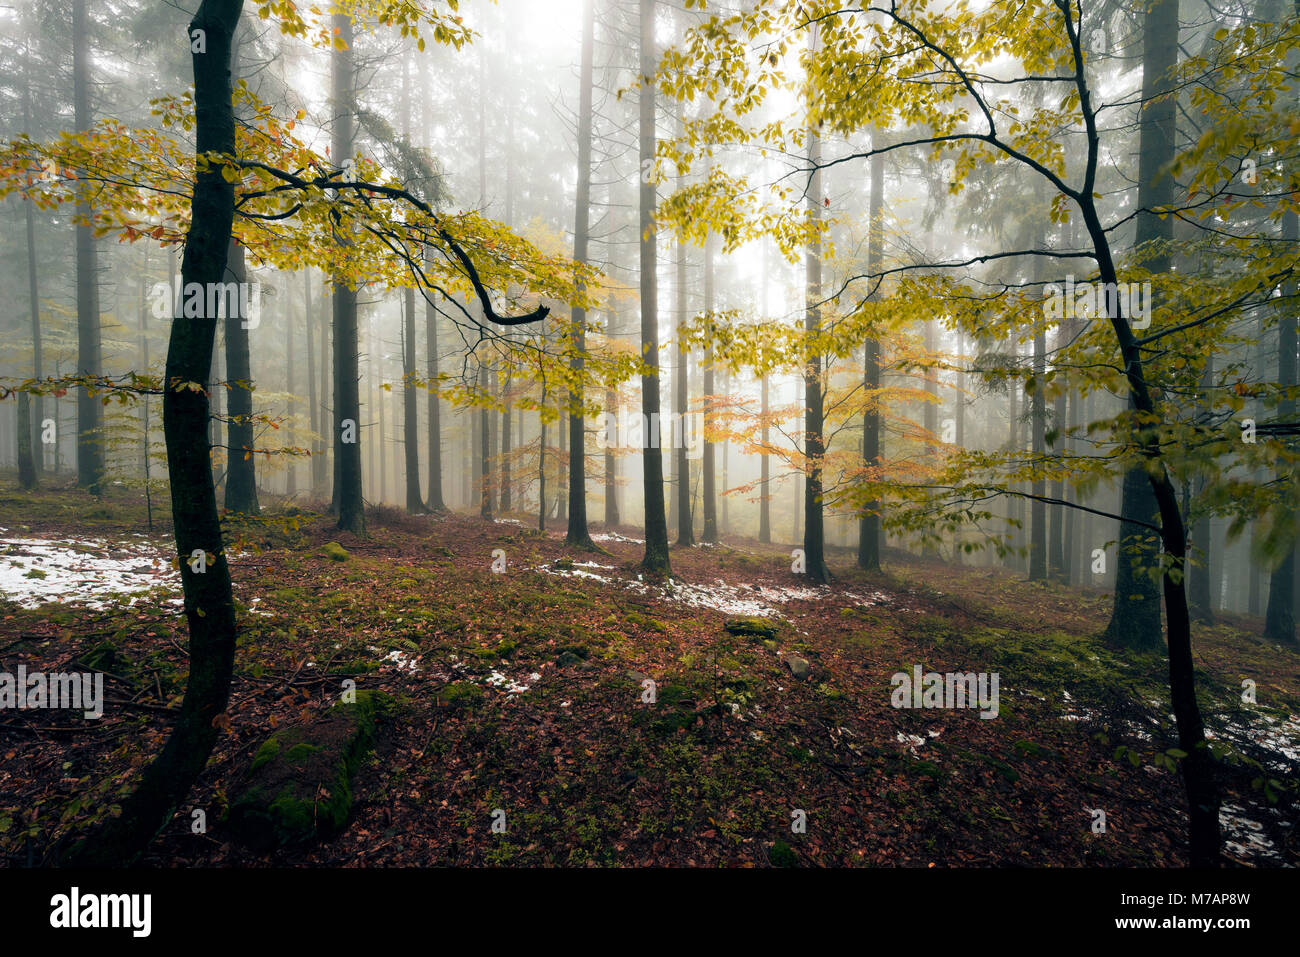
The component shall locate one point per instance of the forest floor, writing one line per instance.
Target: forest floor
(523, 691)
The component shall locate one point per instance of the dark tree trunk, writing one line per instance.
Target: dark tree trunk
(1280, 616)
(90, 440)
(1135, 619)
(317, 453)
(656, 523)
(23, 436)
(436, 503)
(37, 412)
(347, 374)
(410, 408)
(708, 465)
(611, 468)
(209, 606)
(1038, 508)
(241, 478)
(814, 407)
(869, 524)
(578, 534)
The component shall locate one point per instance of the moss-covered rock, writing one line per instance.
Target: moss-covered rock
(752, 627)
(335, 551)
(781, 855)
(299, 784)
(460, 695)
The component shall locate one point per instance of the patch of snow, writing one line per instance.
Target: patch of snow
(85, 571)
(498, 680)
(616, 537)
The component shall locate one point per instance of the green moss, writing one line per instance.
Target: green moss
(335, 551)
(299, 786)
(644, 621)
(461, 695)
(753, 627)
(781, 855)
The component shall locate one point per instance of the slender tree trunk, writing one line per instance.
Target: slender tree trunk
(814, 407)
(1135, 618)
(611, 468)
(1280, 616)
(410, 408)
(578, 534)
(241, 479)
(431, 360)
(317, 454)
(708, 465)
(90, 447)
(1038, 508)
(656, 523)
(209, 606)
(347, 374)
(37, 411)
(869, 523)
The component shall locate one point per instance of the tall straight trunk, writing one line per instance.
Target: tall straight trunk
(507, 441)
(485, 448)
(241, 479)
(37, 412)
(578, 534)
(347, 373)
(869, 523)
(209, 605)
(1135, 616)
(656, 523)
(541, 465)
(1200, 590)
(1038, 414)
(611, 467)
(708, 465)
(90, 447)
(814, 408)
(1057, 556)
(23, 441)
(765, 435)
(1280, 616)
(434, 423)
(410, 407)
(290, 361)
(317, 453)
(681, 398)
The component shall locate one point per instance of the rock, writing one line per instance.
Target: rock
(753, 627)
(299, 785)
(799, 667)
(769, 644)
(567, 658)
(589, 666)
(335, 551)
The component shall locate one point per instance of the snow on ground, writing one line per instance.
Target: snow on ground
(86, 571)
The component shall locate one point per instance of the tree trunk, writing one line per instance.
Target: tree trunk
(869, 523)
(436, 503)
(90, 447)
(241, 479)
(209, 606)
(410, 408)
(1135, 618)
(814, 408)
(347, 374)
(578, 534)
(656, 523)
(37, 412)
